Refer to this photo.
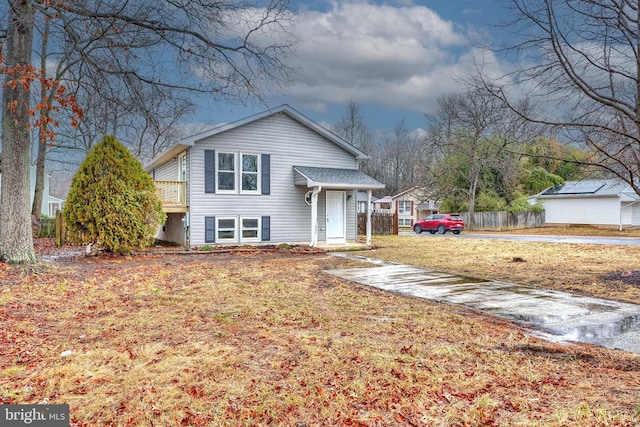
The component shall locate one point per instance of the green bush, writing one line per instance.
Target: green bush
(450, 205)
(112, 201)
(521, 204)
(489, 201)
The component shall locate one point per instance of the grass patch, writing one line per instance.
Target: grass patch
(268, 339)
(577, 268)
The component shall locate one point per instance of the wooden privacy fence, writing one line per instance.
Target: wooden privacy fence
(502, 220)
(46, 227)
(381, 223)
(61, 230)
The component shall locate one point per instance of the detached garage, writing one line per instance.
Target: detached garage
(602, 202)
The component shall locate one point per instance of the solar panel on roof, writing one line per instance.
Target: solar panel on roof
(581, 187)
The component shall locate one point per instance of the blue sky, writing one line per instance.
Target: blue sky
(394, 59)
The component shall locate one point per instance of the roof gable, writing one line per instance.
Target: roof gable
(283, 109)
(418, 193)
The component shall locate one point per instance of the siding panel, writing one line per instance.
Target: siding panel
(289, 144)
(596, 211)
(168, 171)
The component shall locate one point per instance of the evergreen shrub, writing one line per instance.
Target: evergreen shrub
(112, 202)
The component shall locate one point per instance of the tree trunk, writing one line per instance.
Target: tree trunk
(38, 194)
(16, 239)
(45, 98)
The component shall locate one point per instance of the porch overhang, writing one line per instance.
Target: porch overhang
(333, 179)
(320, 179)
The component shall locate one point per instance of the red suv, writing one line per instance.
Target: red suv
(440, 223)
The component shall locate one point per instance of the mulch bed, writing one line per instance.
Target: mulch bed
(46, 249)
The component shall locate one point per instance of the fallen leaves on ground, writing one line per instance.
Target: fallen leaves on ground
(268, 339)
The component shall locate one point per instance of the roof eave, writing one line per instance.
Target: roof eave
(343, 186)
(167, 155)
(574, 196)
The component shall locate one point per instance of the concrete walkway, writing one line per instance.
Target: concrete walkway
(553, 315)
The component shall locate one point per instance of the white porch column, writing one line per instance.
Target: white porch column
(314, 216)
(368, 239)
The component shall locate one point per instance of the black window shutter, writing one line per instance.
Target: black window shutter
(265, 164)
(209, 171)
(266, 228)
(209, 229)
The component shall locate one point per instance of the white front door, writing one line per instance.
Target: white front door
(336, 226)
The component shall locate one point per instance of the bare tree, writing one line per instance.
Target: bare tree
(146, 120)
(396, 159)
(226, 50)
(473, 134)
(583, 61)
(353, 129)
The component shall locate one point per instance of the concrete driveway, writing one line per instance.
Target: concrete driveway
(553, 315)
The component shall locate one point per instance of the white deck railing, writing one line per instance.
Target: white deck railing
(172, 193)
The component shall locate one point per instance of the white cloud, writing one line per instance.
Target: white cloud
(398, 57)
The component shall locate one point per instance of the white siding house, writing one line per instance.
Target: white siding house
(603, 202)
(50, 204)
(412, 205)
(273, 177)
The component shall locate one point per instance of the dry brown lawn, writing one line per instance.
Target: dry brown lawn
(604, 271)
(266, 338)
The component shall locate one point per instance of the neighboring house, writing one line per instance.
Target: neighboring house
(50, 205)
(362, 197)
(601, 202)
(273, 177)
(383, 205)
(411, 205)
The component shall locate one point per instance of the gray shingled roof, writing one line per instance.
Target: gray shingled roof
(337, 178)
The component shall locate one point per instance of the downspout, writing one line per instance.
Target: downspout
(368, 240)
(314, 216)
(187, 237)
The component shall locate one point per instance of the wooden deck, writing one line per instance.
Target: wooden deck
(173, 195)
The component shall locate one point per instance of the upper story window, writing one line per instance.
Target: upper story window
(404, 207)
(226, 171)
(229, 172)
(250, 180)
(237, 173)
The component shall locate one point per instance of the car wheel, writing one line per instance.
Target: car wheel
(456, 231)
(432, 231)
(441, 229)
(417, 228)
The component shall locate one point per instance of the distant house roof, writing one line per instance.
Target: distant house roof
(336, 178)
(284, 109)
(361, 196)
(421, 194)
(590, 188)
(402, 193)
(385, 199)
